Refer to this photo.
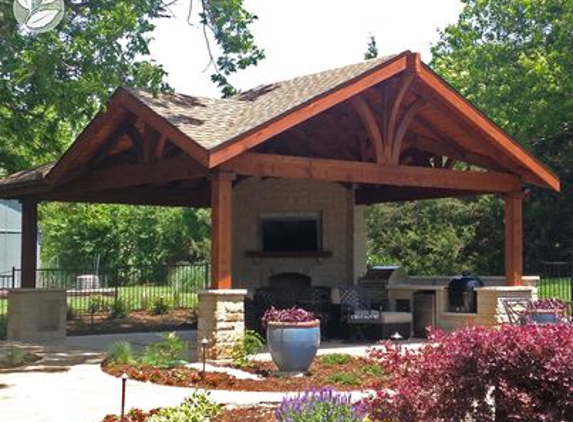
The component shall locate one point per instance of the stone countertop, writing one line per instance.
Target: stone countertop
(416, 287)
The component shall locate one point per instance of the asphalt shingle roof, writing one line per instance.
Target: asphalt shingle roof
(213, 122)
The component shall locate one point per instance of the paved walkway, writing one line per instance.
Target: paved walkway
(68, 385)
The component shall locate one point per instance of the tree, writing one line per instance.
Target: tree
(514, 60)
(52, 84)
(372, 49)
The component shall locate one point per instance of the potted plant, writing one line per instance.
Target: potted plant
(293, 336)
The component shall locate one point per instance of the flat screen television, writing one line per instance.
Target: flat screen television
(290, 234)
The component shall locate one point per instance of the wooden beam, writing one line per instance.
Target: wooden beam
(368, 195)
(137, 196)
(112, 141)
(397, 103)
(178, 168)
(458, 105)
(222, 233)
(514, 238)
(29, 257)
(91, 137)
(342, 93)
(267, 165)
(162, 125)
(365, 113)
(403, 128)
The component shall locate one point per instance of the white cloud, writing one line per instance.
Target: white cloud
(303, 36)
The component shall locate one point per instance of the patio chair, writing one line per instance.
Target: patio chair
(357, 312)
(525, 311)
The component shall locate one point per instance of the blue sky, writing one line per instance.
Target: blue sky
(303, 36)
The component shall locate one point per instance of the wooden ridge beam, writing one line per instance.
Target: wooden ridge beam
(178, 168)
(267, 165)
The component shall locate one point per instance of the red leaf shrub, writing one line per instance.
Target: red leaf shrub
(480, 374)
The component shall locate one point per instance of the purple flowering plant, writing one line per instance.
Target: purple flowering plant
(324, 405)
(292, 315)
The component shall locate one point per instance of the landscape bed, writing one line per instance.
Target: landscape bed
(344, 373)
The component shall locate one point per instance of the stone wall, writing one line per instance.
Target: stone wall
(36, 315)
(343, 230)
(221, 320)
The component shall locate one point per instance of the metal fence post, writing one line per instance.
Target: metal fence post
(13, 277)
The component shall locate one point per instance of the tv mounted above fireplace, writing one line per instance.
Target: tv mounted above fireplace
(291, 232)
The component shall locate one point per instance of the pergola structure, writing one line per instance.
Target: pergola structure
(390, 128)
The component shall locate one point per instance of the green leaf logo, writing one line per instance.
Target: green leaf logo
(38, 15)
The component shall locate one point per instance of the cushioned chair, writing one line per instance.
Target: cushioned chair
(358, 313)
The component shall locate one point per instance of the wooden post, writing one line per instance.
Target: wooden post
(514, 238)
(29, 255)
(221, 226)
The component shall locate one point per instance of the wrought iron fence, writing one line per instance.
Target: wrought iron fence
(556, 280)
(130, 288)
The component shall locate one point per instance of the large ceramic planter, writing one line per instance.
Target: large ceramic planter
(293, 346)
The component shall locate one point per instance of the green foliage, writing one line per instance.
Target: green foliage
(74, 235)
(343, 378)
(97, 304)
(245, 347)
(53, 83)
(71, 313)
(120, 308)
(229, 23)
(372, 370)
(512, 59)
(160, 306)
(444, 236)
(333, 359)
(167, 353)
(3, 326)
(197, 408)
(372, 49)
(121, 353)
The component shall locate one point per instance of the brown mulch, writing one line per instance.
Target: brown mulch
(251, 414)
(317, 377)
(137, 321)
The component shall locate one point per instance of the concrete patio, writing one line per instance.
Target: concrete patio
(68, 381)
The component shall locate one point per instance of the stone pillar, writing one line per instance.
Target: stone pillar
(221, 321)
(36, 315)
(491, 311)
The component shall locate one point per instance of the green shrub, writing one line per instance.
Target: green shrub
(121, 352)
(120, 308)
(372, 370)
(97, 304)
(160, 306)
(166, 353)
(71, 313)
(333, 359)
(343, 378)
(3, 326)
(197, 408)
(245, 347)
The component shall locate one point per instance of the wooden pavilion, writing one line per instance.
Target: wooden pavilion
(387, 129)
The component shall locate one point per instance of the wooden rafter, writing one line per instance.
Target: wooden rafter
(136, 196)
(237, 146)
(356, 172)
(136, 174)
(363, 110)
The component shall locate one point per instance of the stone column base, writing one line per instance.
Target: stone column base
(221, 321)
(36, 315)
(491, 311)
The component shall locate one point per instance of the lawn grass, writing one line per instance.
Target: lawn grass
(137, 297)
(555, 288)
